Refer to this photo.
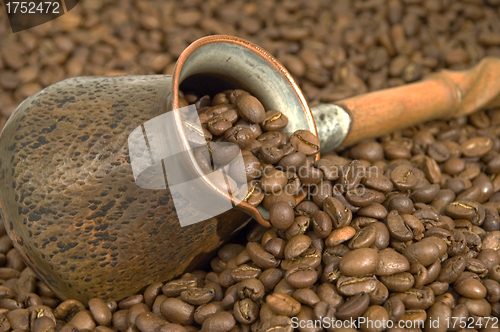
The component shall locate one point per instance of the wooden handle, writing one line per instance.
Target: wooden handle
(442, 95)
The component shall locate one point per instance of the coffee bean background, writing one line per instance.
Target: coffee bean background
(426, 234)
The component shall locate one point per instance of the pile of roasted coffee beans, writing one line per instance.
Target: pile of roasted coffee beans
(403, 227)
(394, 232)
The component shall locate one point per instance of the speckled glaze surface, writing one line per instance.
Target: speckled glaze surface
(69, 198)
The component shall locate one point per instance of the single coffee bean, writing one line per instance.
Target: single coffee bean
(324, 311)
(240, 135)
(270, 154)
(371, 151)
(273, 138)
(354, 307)
(301, 276)
(353, 285)
(260, 256)
(359, 262)
(246, 311)
(322, 224)
(395, 308)
(421, 298)
(306, 296)
(296, 246)
(403, 177)
(177, 311)
(340, 215)
(274, 121)
(363, 196)
(283, 304)
(148, 322)
(398, 282)
(374, 210)
(270, 277)
(478, 307)
(220, 321)
(377, 181)
(100, 311)
(376, 314)
(330, 170)
(340, 235)
(250, 108)
(391, 262)
(305, 141)
(476, 147)
(204, 311)
(471, 288)
(293, 161)
(425, 252)
(397, 227)
(175, 287)
(281, 215)
(440, 313)
(197, 295)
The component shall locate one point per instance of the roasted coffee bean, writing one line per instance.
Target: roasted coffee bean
(440, 313)
(391, 262)
(305, 141)
(246, 311)
(341, 216)
(301, 276)
(240, 135)
(274, 121)
(425, 251)
(478, 307)
(471, 288)
(260, 256)
(421, 298)
(361, 196)
(353, 285)
(374, 210)
(82, 320)
(270, 278)
(174, 287)
(149, 322)
(220, 321)
(202, 312)
(354, 307)
(371, 151)
(359, 262)
(273, 139)
(283, 304)
(322, 224)
(397, 227)
(378, 316)
(476, 147)
(403, 177)
(281, 215)
(250, 108)
(395, 308)
(306, 296)
(330, 170)
(177, 311)
(306, 208)
(197, 295)
(101, 312)
(377, 181)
